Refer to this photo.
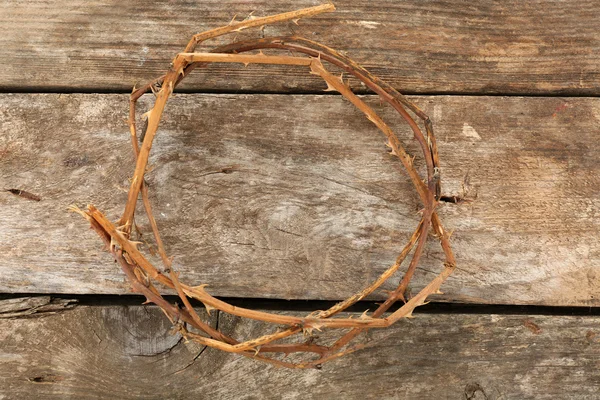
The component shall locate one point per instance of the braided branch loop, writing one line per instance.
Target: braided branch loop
(143, 276)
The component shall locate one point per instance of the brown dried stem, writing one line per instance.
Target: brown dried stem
(141, 273)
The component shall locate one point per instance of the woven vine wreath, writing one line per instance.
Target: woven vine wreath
(142, 274)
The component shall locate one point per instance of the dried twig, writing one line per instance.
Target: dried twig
(141, 273)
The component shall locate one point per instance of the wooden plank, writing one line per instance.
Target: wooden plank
(274, 196)
(540, 46)
(98, 351)
(21, 306)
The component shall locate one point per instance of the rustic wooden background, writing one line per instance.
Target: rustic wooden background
(312, 207)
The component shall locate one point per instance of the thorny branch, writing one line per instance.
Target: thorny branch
(141, 273)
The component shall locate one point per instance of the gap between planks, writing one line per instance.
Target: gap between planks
(98, 300)
(91, 90)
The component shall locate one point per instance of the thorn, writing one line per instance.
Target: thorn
(75, 209)
(208, 308)
(246, 64)
(122, 228)
(364, 315)
(401, 297)
(330, 88)
(135, 244)
(295, 21)
(233, 21)
(438, 292)
(260, 53)
(389, 145)
(409, 315)
(146, 115)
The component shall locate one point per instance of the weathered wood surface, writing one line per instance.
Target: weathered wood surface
(312, 206)
(125, 351)
(21, 306)
(541, 46)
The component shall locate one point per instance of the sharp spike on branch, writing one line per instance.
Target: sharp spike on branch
(73, 208)
(208, 308)
(364, 315)
(330, 88)
(392, 151)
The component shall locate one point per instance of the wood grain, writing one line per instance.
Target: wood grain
(95, 352)
(434, 46)
(277, 196)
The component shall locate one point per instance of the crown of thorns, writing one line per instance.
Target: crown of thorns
(142, 274)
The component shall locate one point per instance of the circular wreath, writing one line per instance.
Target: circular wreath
(142, 274)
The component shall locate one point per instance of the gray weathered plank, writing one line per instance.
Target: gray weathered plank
(21, 306)
(541, 46)
(313, 206)
(103, 351)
